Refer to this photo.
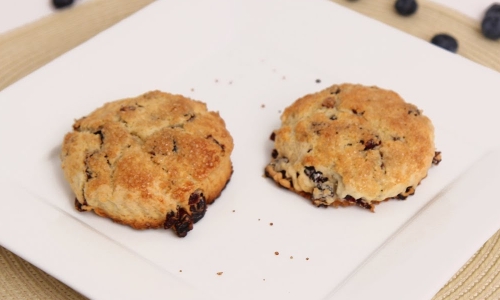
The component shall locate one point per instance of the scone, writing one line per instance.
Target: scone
(352, 145)
(153, 161)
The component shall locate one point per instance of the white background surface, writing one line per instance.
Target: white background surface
(14, 13)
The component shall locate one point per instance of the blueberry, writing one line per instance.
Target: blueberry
(406, 7)
(446, 42)
(490, 25)
(494, 9)
(62, 3)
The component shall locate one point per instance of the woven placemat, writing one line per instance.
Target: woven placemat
(26, 49)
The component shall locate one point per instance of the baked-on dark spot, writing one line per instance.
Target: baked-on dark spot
(273, 136)
(315, 176)
(88, 171)
(317, 127)
(79, 206)
(414, 112)
(382, 165)
(408, 192)
(107, 160)
(401, 197)
(180, 221)
(371, 144)
(197, 205)
(185, 223)
(100, 134)
(283, 173)
(222, 146)
(309, 151)
(274, 154)
(354, 111)
(333, 117)
(359, 202)
(174, 148)
(335, 90)
(437, 158)
(128, 108)
(190, 117)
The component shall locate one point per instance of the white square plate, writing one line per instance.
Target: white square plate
(249, 60)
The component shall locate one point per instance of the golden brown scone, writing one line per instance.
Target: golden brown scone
(152, 161)
(352, 145)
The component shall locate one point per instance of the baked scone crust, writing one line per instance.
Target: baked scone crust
(151, 161)
(352, 145)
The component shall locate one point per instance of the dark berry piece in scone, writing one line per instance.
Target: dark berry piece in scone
(154, 161)
(352, 145)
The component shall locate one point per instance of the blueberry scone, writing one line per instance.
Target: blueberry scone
(153, 161)
(352, 145)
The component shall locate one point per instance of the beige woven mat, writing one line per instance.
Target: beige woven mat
(25, 49)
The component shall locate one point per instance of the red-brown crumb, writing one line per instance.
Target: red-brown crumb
(276, 253)
(291, 257)
(180, 271)
(263, 105)
(307, 258)
(271, 224)
(220, 273)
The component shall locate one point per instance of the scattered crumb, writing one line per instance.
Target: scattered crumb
(264, 279)
(216, 80)
(192, 89)
(283, 78)
(318, 80)
(279, 111)
(231, 82)
(307, 258)
(220, 273)
(180, 271)
(263, 105)
(291, 257)
(271, 224)
(276, 253)
(234, 210)
(259, 219)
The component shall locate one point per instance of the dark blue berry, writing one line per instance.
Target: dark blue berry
(62, 3)
(490, 25)
(494, 9)
(446, 42)
(406, 7)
